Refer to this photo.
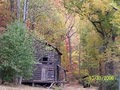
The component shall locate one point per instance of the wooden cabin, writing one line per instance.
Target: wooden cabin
(47, 68)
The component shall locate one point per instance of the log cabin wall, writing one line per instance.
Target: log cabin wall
(47, 58)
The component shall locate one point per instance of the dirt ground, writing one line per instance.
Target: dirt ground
(75, 87)
(21, 88)
(78, 87)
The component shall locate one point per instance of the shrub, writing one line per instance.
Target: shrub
(16, 52)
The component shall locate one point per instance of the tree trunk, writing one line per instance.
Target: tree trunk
(25, 10)
(32, 23)
(20, 80)
(70, 52)
(101, 73)
(18, 9)
(12, 6)
(79, 58)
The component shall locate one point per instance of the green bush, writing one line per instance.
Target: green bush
(112, 85)
(16, 52)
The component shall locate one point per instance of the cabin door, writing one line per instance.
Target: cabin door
(47, 70)
(47, 74)
(44, 73)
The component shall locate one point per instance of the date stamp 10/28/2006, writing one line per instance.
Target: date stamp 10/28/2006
(102, 78)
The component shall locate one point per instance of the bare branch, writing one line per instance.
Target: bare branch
(98, 30)
(72, 34)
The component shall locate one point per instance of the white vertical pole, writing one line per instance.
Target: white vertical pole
(24, 13)
(25, 10)
(119, 81)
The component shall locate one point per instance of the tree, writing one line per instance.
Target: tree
(103, 16)
(69, 32)
(16, 53)
(100, 17)
(46, 21)
(5, 14)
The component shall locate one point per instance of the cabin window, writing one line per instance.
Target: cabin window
(45, 60)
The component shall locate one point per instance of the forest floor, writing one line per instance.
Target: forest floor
(23, 87)
(78, 87)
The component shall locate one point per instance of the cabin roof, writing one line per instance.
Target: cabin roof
(48, 44)
(54, 48)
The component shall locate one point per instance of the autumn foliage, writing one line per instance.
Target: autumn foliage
(5, 14)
